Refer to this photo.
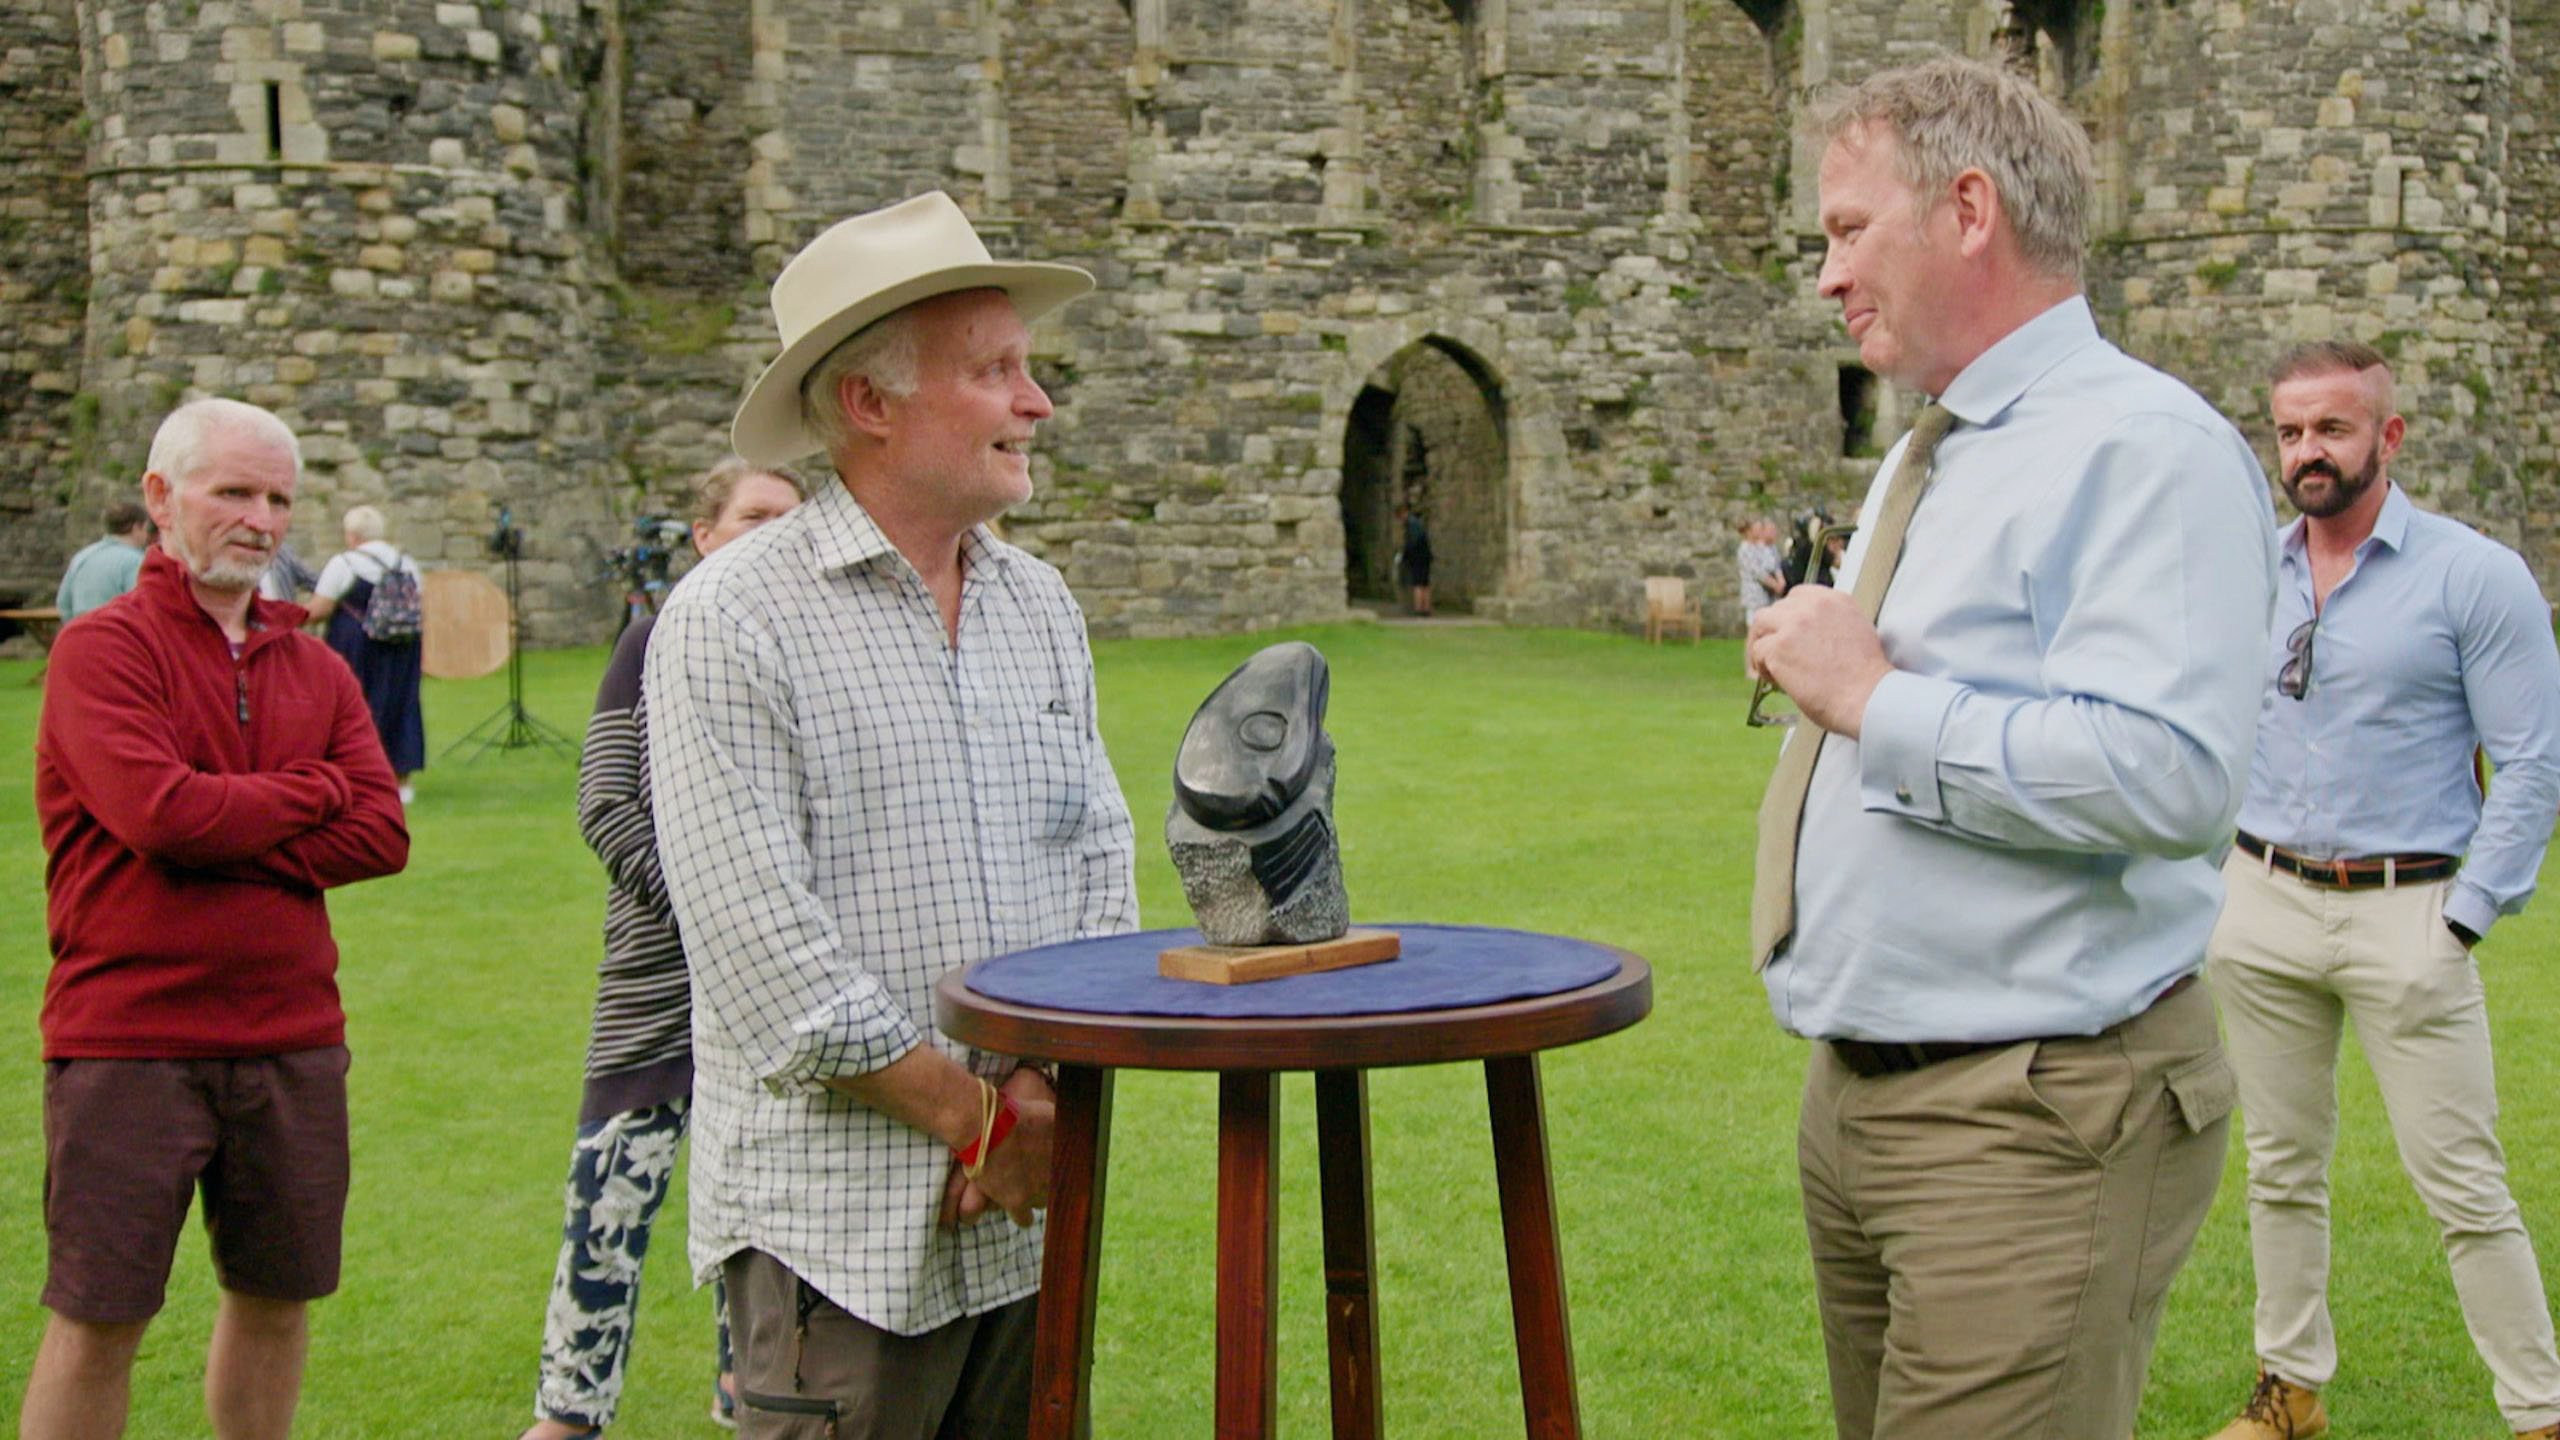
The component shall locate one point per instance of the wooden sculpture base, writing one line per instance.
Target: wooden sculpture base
(1242, 964)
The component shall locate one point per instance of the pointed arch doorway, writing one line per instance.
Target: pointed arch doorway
(1427, 430)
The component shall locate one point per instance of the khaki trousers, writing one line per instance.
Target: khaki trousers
(809, 1371)
(2291, 962)
(1993, 1235)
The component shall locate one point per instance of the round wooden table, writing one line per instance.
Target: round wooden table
(39, 621)
(1089, 1045)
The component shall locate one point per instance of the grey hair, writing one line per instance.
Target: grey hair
(885, 352)
(177, 448)
(364, 525)
(1952, 115)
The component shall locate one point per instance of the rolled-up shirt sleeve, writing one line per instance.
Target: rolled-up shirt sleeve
(770, 966)
(2150, 596)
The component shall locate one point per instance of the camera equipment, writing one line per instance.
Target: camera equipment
(1808, 558)
(506, 541)
(641, 566)
(519, 728)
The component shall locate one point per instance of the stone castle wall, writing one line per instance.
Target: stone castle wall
(370, 219)
(2531, 297)
(44, 291)
(519, 252)
(688, 103)
(679, 85)
(2315, 185)
(1302, 208)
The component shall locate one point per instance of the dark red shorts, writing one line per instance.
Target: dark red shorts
(128, 1142)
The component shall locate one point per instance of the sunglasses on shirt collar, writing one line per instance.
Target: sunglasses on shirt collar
(2293, 679)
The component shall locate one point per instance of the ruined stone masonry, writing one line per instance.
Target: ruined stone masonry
(1544, 270)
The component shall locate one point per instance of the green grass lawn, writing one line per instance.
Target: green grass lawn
(1576, 783)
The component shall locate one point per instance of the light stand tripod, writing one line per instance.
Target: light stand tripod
(511, 726)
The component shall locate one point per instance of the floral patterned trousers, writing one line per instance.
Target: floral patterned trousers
(618, 1177)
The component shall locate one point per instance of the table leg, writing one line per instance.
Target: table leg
(1070, 1268)
(1529, 1243)
(1248, 1255)
(1350, 1252)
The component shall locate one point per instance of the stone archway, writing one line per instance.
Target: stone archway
(1369, 498)
(1427, 429)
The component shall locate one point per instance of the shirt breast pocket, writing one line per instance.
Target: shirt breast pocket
(1050, 746)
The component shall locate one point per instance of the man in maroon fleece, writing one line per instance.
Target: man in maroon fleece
(203, 772)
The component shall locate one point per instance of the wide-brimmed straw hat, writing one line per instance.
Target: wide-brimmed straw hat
(860, 270)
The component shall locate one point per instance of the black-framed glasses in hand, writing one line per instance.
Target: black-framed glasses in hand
(1761, 690)
(2293, 681)
(1819, 566)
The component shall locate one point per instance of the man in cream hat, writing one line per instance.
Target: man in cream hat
(873, 747)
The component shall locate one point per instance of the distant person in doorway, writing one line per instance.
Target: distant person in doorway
(1416, 557)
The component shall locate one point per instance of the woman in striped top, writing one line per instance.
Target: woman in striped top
(640, 1055)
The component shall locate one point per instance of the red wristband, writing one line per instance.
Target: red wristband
(975, 1153)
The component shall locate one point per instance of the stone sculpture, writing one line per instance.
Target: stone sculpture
(1251, 827)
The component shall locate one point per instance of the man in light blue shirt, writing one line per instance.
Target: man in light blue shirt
(107, 566)
(1999, 892)
(2403, 642)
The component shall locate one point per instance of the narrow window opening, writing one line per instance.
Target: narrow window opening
(2056, 39)
(275, 121)
(1770, 16)
(1857, 411)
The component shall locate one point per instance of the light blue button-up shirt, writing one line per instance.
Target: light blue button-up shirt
(2437, 641)
(2018, 846)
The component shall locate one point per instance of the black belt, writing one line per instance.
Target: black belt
(1868, 1059)
(2371, 872)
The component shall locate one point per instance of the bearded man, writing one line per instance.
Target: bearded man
(2369, 865)
(204, 771)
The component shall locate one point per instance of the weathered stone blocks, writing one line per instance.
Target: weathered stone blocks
(1549, 266)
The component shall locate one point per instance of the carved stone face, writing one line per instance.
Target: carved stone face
(1256, 740)
(1251, 828)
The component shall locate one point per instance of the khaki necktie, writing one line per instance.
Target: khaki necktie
(1773, 879)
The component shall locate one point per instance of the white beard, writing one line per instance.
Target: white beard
(220, 574)
(230, 575)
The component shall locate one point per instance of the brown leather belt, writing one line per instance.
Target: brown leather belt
(2371, 872)
(1868, 1059)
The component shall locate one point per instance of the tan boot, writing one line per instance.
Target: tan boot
(2277, 1411)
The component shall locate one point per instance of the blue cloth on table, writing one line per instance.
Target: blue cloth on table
(1443, 967)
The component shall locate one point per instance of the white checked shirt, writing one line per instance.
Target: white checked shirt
(850, 808)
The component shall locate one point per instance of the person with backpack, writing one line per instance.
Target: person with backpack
(368, 598)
